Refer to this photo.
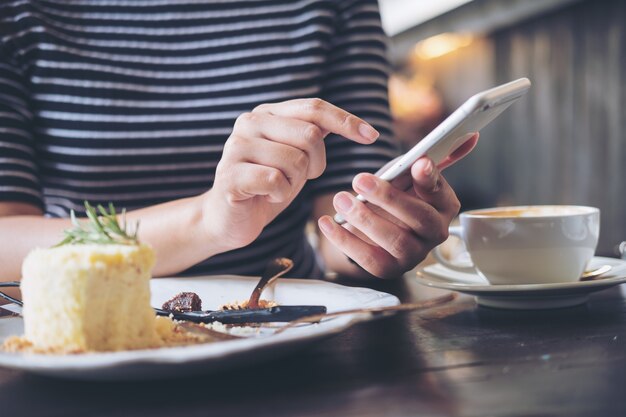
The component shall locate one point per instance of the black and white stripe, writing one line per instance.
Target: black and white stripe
(131, 101)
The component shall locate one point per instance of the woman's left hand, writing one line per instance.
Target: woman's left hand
(396, 229)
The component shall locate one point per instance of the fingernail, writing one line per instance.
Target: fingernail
(368, 132)
(343, 202)
(429, 168)
(365, 184)
(325, 224)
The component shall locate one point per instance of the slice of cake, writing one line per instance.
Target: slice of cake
(89, 297)
(91, 292)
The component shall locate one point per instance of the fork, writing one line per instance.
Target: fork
(7, 296)
(256, 315)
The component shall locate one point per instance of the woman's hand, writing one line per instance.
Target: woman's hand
(396, 229)
(269, 156)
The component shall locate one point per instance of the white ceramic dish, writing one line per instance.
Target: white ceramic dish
(528, 296)
(179, 361)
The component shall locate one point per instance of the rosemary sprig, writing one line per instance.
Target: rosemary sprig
(103, 227)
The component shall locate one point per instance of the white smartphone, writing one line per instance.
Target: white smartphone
(456, 129)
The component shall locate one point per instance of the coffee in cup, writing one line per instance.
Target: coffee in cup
(527, 244)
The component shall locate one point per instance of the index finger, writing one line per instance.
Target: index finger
(326, 116)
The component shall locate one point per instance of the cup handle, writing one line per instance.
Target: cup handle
(458, 232)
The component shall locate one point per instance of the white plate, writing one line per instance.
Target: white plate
(527, 296)
(214, 291)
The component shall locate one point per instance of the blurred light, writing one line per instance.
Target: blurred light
(414, 97)
(442, 44)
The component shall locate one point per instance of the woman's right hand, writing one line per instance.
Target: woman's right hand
(267, 159)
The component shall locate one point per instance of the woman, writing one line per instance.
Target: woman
(162, 107)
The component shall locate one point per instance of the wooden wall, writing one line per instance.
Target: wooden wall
(565, 142)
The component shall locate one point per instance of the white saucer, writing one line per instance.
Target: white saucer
(527, 296)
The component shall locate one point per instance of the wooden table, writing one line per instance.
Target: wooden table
(457, 359)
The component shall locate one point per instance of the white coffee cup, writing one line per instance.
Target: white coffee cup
(527, 244)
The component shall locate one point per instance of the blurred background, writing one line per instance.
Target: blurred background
(561, 144)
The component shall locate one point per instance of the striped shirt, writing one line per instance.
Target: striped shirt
(131, 101)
